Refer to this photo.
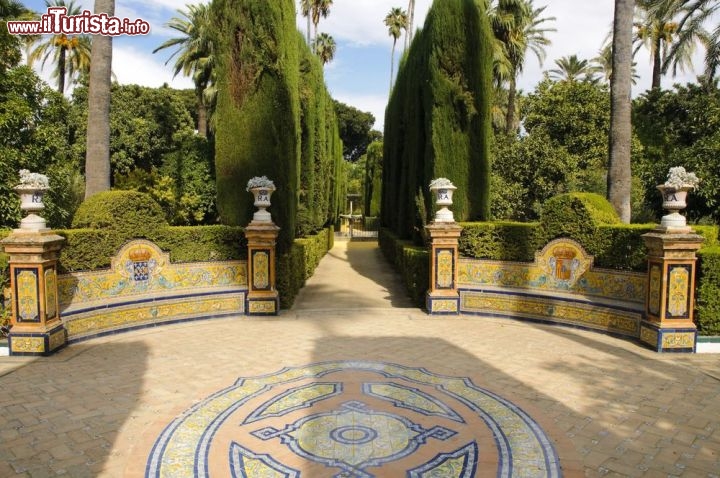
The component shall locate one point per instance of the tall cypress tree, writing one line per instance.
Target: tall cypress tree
(437, 123)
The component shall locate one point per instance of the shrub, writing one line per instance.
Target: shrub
(90, 249)
(502, 241)
(294, 267)
(127, 214)
(412, 262)
(708, 291)
(577, 216)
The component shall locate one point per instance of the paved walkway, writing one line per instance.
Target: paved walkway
(601, 406)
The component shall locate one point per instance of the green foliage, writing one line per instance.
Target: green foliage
(4, 277)
(355, 129)
(708, 291)
(275, 119)
(91, 249)
(294, 267)
(126, 214)
(577, 216)
(412, 262)
(506, 241)
(373, 178)
(437, 123)
(681, 128)
(36, 136)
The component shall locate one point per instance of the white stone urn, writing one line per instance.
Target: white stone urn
(31, 190)
(443, 190)
(674, 193)
(261, 189)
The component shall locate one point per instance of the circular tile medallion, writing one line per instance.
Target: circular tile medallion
(350, 419)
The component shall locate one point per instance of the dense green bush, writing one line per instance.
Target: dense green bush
(127, 214)
(437, 122)
(90, 249)
(411, 261)
(577, 216)
(294, 267)
(708, 291)
(506, 241)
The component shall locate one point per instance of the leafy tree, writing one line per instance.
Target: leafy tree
(97, 159)
(355, 130)
(10, 45)
(71, 54)
(195, 56)
(681, 127)
(324, 47)
(396, 21)
(576, 117)
(619, 178)
(37, 136)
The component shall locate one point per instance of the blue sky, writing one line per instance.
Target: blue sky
(360, 73)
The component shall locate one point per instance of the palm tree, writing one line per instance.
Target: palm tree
(619, 172)
(71, 54)
(396, 21)
(671, 42)
(411, 19)
(694, 14)
(97, 158)
(571, 68)
(195, 53)
(313, 10)
(306, 11)
(324, 47)
(518, 26)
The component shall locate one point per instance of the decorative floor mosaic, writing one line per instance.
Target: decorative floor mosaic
(353, 420)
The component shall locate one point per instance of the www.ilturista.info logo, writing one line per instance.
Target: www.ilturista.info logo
(57, 22)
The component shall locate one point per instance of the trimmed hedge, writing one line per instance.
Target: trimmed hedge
(412, 262)
(90, 249)
(707, 314)
(127, 214)
(3, 263)
(502, 241)
(294, 267)
(575, 215)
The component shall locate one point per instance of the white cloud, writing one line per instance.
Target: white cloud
(134, 66)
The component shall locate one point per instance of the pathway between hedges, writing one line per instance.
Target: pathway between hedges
(353, 275)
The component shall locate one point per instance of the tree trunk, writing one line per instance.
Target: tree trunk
(61, 70)
(392, 64)
(510, 113)
(97, 159)
(202, 115)
(409, 32)
(657, 65)
(619, 172)
(308, 29)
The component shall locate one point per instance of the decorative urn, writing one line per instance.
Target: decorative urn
(31, 190)
(674, 192)
(443, 190)
(261, 189)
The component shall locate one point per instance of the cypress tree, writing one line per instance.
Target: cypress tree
(437, 123)
(258, 110)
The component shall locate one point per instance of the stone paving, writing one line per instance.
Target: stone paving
(610, 407)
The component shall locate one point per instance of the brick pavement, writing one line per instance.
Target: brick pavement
(611, 407)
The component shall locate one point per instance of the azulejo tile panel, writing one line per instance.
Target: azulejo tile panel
(562, 266)
(353, 419)
(546, 308)
(28, 295)
(140, 269)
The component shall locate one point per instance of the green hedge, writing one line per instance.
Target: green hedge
(3, 263)
(708, 291)
(297, 265)
(127, 214)
(411, 261)
(90, 249)
(502, 241)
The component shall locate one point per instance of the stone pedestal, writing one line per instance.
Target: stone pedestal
(443, 296)
(36, 325)
(262, 298)
(669, 306)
